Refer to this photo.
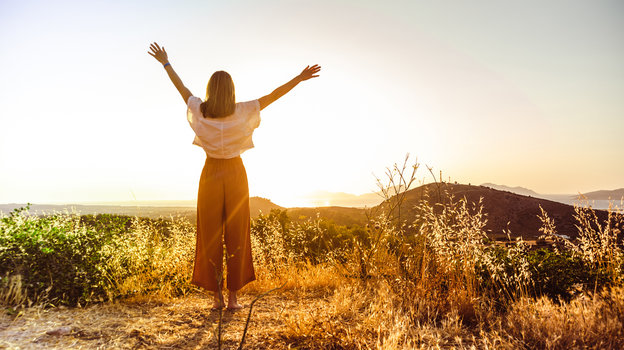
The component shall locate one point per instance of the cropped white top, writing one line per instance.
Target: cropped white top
(225, 137)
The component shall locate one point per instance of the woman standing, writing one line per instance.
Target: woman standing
(223, 128)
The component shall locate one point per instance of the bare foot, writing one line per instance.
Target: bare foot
(234, 306)
(218, 301)
(233, 302)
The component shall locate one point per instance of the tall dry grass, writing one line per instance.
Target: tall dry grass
(437, 282)
(151, 260)
(278, 263)
(599, 244)
(590, 321)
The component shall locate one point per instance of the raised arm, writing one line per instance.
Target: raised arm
(161, 56)
(307, 73)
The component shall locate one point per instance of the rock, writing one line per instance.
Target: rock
(59, 331)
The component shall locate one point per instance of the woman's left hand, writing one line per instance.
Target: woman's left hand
(309, 72)
(158, 53)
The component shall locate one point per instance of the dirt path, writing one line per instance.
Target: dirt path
(185, 323)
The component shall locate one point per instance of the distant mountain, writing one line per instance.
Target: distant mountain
(256, 206)
(597, 199)
(615, 195)
(83, 209)
(156, 203)
(519, 190)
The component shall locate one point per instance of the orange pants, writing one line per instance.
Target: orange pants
(223, 212)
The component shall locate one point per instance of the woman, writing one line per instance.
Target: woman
(223, 128)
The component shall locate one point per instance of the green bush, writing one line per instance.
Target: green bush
(69, 259)
(58, 258)
(561, 274)
(555, 274)
(108, 224)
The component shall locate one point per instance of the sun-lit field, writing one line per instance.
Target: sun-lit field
(111, 281)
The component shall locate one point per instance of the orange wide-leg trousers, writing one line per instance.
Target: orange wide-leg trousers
(223, 215)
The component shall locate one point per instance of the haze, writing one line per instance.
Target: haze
(521, 93)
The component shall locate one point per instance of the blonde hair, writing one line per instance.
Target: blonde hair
(220, 97)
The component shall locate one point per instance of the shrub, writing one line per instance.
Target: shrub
(69, 259)
(277, 240)
(58, 258)
(560, 275)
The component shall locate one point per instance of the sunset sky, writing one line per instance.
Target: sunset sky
(525, 93)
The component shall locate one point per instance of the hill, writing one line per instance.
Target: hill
(259, 205)
(598, 199)
(504, 209)
(605, 194)
(517, 189)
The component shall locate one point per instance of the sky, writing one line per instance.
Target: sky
(524, 93)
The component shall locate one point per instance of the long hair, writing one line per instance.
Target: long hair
(220, 97)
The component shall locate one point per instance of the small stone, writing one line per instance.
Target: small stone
(59, 331)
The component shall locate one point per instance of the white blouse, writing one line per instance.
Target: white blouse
(226, 137)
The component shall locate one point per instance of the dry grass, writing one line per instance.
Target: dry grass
(597, 241)
(186, 323)
(359, 316)
(303, 278)
(393, 291)
(154, 321)
(346, 315)
(12, 291)
(146, 262)
(585, 322)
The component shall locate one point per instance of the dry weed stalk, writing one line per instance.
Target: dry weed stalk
(449, 245)
(385, 226)
(242, 341)
(597, 242)
(12, 292)
(394, 190)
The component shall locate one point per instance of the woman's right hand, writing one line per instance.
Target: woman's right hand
(158, 53)
(309, 72)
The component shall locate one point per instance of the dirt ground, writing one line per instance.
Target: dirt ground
(183, 323)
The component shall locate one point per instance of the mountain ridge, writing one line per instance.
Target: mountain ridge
(515, 189)
(615, 195)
